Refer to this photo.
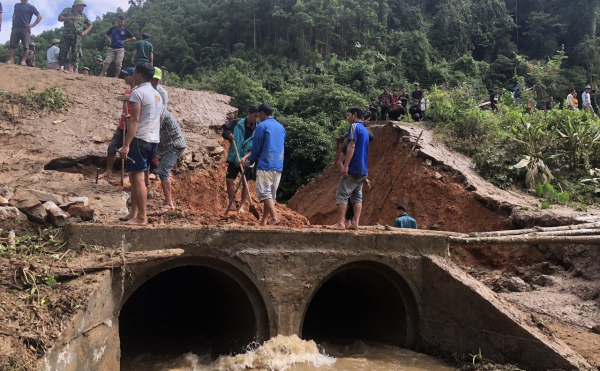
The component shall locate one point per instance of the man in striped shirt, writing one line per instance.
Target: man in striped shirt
(171, 146)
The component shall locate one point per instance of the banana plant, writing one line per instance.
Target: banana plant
(580, 139)
(535, 160)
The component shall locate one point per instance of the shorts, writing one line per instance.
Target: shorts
(116, 142)
(115, 54)
(168, 161)
(350, 188)
(22, 34)
(233, 171)
(267, 182)
(52, 66)
(142, 153)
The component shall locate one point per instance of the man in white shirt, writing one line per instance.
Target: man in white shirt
(141, 141)
(586, 100)
(52, 55)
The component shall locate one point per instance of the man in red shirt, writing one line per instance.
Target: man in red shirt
(117, 139)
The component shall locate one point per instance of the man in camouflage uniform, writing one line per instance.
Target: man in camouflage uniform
(75, 23)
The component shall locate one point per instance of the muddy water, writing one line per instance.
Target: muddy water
(289, 353)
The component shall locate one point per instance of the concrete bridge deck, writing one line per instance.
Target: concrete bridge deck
(236, 285)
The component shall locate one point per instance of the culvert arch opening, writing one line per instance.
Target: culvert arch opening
(362, 301)
(191, 308)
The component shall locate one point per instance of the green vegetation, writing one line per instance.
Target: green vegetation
(312, 59)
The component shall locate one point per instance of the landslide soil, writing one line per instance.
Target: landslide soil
(560, 284)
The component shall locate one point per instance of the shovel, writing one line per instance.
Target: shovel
(252, 208)
(124, 98)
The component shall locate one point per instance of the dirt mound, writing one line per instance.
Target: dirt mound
(436, 198)
(203, 195)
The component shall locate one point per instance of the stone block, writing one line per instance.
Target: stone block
(11, 213)
(44, 197)
(81, 211)
(24, 200)
(36, 213)
(55, 214)
(74, 201)
(3, 201)
(7, 192)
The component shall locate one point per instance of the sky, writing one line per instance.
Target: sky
(50, 9)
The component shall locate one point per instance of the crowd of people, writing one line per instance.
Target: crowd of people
(393, 106)
(65, 53)
(149, 139)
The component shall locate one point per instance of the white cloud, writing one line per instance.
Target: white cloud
(51, 9)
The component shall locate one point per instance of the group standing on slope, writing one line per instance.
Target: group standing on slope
(65, 53)
(393, 106)
(148, 130)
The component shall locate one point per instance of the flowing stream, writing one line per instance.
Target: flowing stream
(290, 353)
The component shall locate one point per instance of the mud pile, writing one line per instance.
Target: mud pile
(436, 198)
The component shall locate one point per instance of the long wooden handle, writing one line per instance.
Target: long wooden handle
(234, 193)
(242, 168)
(126, 109)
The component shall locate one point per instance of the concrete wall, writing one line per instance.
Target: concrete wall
(450, 312)
(91, 340)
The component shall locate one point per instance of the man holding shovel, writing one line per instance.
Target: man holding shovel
(141, 140)
(117, 139)
(240, 132)
(267, 153)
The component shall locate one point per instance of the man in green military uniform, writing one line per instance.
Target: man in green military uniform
(98, 67)
(75, 22)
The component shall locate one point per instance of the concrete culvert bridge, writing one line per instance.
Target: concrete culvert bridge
(362, 301)
(190, 308)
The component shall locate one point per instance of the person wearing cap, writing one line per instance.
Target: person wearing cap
(586, 100)
(156, 84)
(354, 171)
(98, 65)
(52, 55)
(30, 61)
(76, 25)
(86, 71)
(594, 101)
(141, 140)
(143, 51)
(117, 140)
(417, 93)
(495, 99)
(385, 102)
(21, 29)
(415, 111)
(404, 220)
(118, 36)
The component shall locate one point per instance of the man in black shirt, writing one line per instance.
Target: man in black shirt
(594, 101)
(495, 99)
(417, 93)
(367, 116)
(415, 111)
(374, 108)
(550, 104)
(404, 98)
(385, 101)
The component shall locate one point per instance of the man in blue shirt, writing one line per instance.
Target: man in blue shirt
(267, 153)
(21, 29)
(404, 220)
(354, 172)
(117, 36)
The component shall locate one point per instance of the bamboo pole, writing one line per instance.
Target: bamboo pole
(534, 230)
(527, 239)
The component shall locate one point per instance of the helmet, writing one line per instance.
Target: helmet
(79, 2)
(588, 87)
(55, 41)
(157, 73)
(32, 44)
(98, 58)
